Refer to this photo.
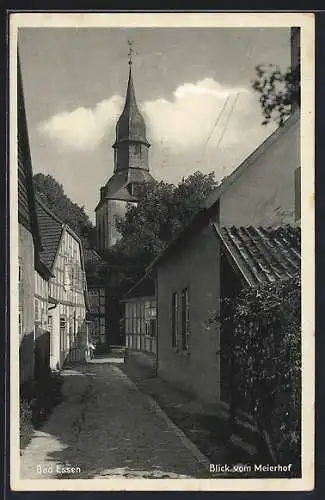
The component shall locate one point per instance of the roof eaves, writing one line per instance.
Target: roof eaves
(146, 276)
(246, 276)
(196, 223)
(43, 270)
(250, 159)
(58, 247)
(29, 169)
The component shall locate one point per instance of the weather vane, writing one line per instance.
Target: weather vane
(131, 52)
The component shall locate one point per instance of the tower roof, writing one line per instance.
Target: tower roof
(131, 125)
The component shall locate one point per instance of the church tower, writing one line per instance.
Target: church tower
(131, 168)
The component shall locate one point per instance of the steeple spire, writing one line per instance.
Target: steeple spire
(131, 125)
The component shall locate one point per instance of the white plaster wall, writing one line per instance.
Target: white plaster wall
(265, 192)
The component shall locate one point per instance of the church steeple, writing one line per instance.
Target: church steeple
(131, 125)
(131, 144)
(131, 168)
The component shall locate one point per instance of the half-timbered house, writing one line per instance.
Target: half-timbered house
(68, 302)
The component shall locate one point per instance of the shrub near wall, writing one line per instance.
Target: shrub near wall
(263, 326)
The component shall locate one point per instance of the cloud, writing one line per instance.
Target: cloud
(187, 120)
(83, 128)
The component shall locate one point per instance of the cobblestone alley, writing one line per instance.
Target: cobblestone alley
(107, 428)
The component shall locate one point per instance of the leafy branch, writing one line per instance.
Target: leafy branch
(278, 91)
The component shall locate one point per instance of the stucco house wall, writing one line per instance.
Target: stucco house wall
(26, 304)
(42, 334)
(196, 266)
(265, 192)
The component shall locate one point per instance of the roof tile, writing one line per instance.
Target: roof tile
(51, 229)
(263, 254)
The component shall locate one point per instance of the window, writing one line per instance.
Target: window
(20, 272)
(36, 311)
(20, 282)
(84, 282)
(72, 276)
(104, 232)
(20, 322)
(152, 327)
(297, 194)
(131, 189)
(63, 322)
(174, 319)
(66, 277)
(185, 319)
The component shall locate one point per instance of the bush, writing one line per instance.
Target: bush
(263, 329)
(48, 395)
(25, 421)
(37, 400)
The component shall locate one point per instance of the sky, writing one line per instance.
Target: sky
(192, 85)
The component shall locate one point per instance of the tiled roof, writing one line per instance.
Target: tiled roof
(263, 255)
(51, 229)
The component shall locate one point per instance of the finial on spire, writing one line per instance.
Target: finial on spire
(131, 51)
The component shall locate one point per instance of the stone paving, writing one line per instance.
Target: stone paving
(107, 428)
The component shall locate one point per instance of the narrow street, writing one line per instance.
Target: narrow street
(107, 428)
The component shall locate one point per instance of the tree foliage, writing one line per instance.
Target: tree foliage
(163, 211)
(278, 91)
(53, 195)
(263, 330)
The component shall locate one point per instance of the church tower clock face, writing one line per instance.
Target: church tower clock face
(131, 168)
